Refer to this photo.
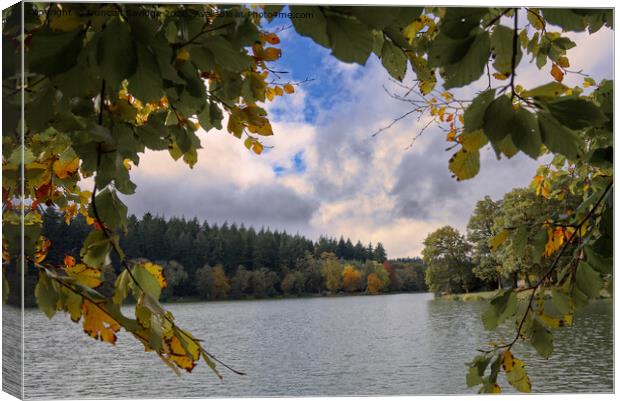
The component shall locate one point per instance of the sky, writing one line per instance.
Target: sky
(326, 174)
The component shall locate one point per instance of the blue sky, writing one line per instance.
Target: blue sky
(326, 174)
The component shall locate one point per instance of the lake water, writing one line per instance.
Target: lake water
(404, 344)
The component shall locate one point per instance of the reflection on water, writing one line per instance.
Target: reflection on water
(392, 344)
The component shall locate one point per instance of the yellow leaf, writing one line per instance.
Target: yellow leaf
(464, 164)
(85, 275)
(85, 197)
(555, 241)
(183, 54)
(270, 93)
(427, 87)
(557, 73)
(515, 372)
(563, 62)
(499, 239)
(262, 129)
(97, 324)
(65, 169)
(179, 355)
(279, 91)
(158, 272)
(288, 88)
(501, 76)
(472, 141)
(127, 164)
(507, 361)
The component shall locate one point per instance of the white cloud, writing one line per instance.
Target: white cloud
(365, 188)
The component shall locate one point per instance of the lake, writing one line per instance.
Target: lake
(406, 344)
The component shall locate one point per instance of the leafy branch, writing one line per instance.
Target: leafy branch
(553, 266)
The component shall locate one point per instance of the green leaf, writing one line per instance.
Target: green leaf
(502, 306)
(588, 280)
(501, 46)
(122, 286)
(376, 17)
(464, 164)
(526, 133)
(558, 138)
(474, 114)
(576, 113)
(146, 281)
(51, 53)
(95, 249)
(471, 67)
(445, 50)
(116, 55)
(541, 339)
(499, 118)
(505, 146)
(315, 28)
(225, 54)
(350, 41)
(476, 370)
(602, 157)
(459, 22)
(72, 303)
(601, 264)
(46, 295)
(547, 91)
(394, 60)
(565, 18)
(146, 84)
(473, 140)
(561, 302)
(154, 136)
(110, 209)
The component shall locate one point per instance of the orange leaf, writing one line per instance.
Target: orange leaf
(557, 73)
(271, 54)
(42, 247)
(97, 324)
(69, 261)
(288, 88)
(272, 38)
(65, 169)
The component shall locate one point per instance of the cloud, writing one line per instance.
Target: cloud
(327, 175)
(270, 205)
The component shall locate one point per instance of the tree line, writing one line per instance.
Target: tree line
(231, 261)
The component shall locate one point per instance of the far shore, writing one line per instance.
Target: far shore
(488, 295)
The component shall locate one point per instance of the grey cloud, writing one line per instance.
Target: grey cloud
(424, 185)
(425, 190)
(271, 205)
